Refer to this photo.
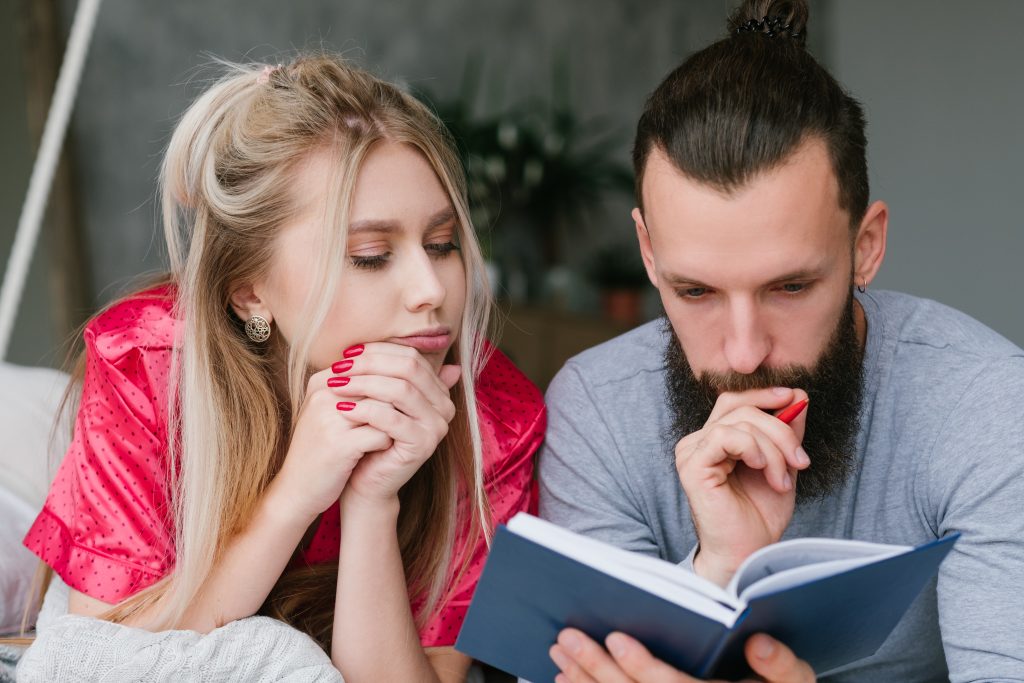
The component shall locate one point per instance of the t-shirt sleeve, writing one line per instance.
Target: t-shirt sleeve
(509, 490)
(104, 527)
(582, 471)
(974, 480)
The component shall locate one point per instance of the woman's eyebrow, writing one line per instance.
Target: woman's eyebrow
(443, 216)
(372, 225)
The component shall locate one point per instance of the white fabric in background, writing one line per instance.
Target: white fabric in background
(17, 564)
(28, 401)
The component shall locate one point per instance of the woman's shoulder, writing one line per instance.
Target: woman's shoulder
(140, 321)
(511, 407)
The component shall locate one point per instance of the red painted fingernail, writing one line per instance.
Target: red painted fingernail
(353, 351)
(341, 366)
(338, 381)
(790, 413)
(345, 405)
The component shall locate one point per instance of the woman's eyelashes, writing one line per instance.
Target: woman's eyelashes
(376, 261)
(441, 249)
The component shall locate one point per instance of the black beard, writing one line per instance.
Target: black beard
(834, 386)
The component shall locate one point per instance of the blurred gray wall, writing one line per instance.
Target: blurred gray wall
(145, 61)
(943, 88)
(35, 341)
(942, 93)
(146, 53)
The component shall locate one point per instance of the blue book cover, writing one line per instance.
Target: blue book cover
(832, 609)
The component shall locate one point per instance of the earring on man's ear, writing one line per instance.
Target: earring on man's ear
(863, 287)
(257, 328)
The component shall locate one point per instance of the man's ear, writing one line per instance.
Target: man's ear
(646, 252)
(246, 303)
(869, 245)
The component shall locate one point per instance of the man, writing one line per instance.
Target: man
(754, 224)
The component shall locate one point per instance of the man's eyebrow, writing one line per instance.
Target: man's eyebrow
(800, 274)
(677, 279)
(443, 216)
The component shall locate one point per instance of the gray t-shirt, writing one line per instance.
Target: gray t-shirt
(940, 450)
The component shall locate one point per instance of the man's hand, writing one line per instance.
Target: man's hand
(739, 473)
(582, 660)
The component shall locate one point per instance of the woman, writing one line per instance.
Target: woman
(304, 420)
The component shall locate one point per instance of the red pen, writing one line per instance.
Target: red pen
(790, 413)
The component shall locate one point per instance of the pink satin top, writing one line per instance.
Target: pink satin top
(105, 527)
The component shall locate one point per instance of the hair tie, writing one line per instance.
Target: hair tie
(769, 26)
(265, 74)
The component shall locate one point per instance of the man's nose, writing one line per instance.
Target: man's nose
(747, 343)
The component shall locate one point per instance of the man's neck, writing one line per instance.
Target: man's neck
(860, 322)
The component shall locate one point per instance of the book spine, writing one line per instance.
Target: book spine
(709, 665)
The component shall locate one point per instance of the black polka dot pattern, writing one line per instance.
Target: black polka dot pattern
(105, 527)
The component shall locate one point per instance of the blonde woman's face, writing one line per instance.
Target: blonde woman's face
(403, 279)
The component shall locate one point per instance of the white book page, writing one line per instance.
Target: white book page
(660, 578)
(789, 563)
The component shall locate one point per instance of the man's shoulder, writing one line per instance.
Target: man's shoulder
(635, 356)
(926, 329)
(942, 372)
(916, 320)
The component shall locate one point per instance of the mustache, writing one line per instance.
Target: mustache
(792, 376)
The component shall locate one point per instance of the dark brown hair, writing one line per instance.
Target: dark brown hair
(744, 104)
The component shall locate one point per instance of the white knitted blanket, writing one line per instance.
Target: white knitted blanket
(69, 647)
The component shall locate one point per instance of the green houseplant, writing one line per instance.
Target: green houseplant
(535, 170)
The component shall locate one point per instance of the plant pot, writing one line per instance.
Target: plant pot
(622, 306)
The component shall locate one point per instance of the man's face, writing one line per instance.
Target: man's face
(756, 278)
(757, 288)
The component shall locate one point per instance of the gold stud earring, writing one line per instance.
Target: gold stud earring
(257, 328)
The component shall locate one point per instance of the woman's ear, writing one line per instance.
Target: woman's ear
(246, 303)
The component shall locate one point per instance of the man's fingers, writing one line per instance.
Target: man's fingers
(781, 434)
(721, 443)
(776, 472)
(775, 662)
(639, 664)
(570, 670)
(582, 660)
(774, 398)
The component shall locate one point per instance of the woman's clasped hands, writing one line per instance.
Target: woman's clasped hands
(367, 424)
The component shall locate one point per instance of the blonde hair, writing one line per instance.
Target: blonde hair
(226, 187)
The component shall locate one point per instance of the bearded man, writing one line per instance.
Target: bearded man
(754, 223)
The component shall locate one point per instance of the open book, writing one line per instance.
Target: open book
(831, 601)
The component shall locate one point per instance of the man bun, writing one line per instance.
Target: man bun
(780, 19)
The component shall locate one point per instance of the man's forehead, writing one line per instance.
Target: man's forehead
(796, 200)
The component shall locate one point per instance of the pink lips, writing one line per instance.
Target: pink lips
(427, 341)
